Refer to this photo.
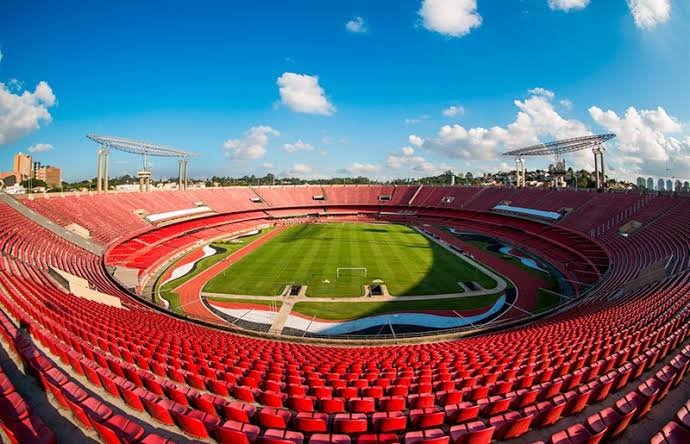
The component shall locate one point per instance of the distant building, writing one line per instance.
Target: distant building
(52, 176)
(669, 185)
(127, 187)
(650, 184)
(23, 167)
(641, 183)
(167, 186)
(679, 185)
(661, 185)
(15, 189)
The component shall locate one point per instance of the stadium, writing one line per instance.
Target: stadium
(145, 332)
(272, 289)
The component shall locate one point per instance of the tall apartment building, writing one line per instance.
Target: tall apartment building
(52, 176)
(23, 166)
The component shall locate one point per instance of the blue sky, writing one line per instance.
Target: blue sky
(291, 88)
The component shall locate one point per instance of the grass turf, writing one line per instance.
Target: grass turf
(309, 254)
(545, 300)
(348, 310)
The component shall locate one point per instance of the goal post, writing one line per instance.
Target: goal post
(349, 271)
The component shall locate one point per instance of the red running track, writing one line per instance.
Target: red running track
(191, 257)
(190, 291)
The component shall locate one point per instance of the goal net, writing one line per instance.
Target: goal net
(351, 271)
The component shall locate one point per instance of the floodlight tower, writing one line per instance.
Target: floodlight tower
(140, 148)
(557, 149)
(599, 167)
(144, 175)
(558, 172)
(102, 172)
(519, 172)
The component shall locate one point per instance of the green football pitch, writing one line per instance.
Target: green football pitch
(310, 254)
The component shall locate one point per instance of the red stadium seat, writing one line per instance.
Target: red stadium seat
(474, 432)
(233, 431)
(672, 433)
(311, 422)
(577, 434)
(431, 436)
(380, 438)
(384, 422)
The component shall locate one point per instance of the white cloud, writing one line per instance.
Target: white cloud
(252, 146)
(327, 139)
(454, 110)
(649, 13)
(415, 164)
(300, 169)
(454, 18)
(649, 141)
(297, 146)
(661, 121)
(542, 92)
(44, 94)
(415, 140)
(567, 104)
(304, 171)
(536, 119)
(40, 148)
(267, 165)
(473, 144)
(22, 113)
(357, 25)
(568, 5)
(363, 169)
(303, 94)
(417, 119)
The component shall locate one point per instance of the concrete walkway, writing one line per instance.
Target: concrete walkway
(283, 315)
(360, 299)
(288, 302)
